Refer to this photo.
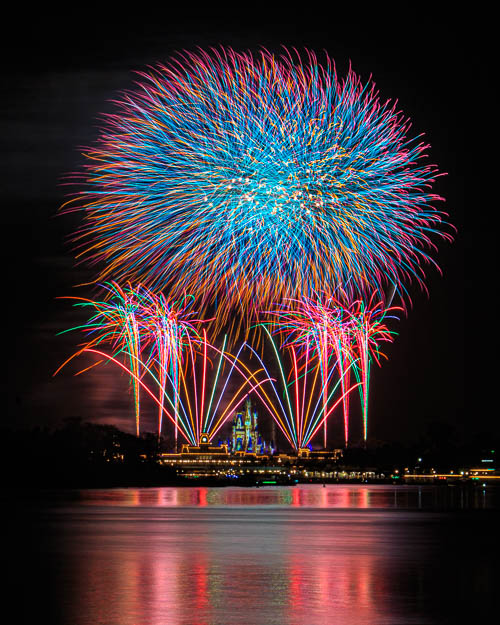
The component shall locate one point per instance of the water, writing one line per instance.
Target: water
(304, 555)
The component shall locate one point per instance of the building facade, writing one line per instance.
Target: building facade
(245, 436)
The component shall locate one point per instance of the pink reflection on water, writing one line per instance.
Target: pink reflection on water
(199, 556)
(165, 588)
(304, 495)
(169, 496)
(344, 589)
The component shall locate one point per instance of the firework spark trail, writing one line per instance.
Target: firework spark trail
(298, 420)
(134, 321)
(207, 418)
(249, 384)
(368, 329)
(158, 338)
(190, 418)
(116, 322)
(319, 327)
(248, 179)
(172, 330)
(138, 381)
(342, 337)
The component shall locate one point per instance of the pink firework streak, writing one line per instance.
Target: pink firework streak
(342, 337)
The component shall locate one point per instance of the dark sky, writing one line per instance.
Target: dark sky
(60, 76)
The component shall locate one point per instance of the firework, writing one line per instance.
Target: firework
(249, 179)
(115, 322)
(366, 330)
(149, 329)
(342, 338)
(156, 341)
(171, 332)
(299, 416)
(202, 395)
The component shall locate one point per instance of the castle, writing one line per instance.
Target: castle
(245, 435)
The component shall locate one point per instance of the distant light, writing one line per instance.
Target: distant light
(420, 459)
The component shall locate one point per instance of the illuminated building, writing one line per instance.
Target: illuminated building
(245, 435)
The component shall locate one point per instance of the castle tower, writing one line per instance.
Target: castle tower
(238, 433)
(245, 432)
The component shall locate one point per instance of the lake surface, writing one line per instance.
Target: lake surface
(302, 555)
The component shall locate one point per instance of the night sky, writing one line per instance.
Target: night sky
(62, 73)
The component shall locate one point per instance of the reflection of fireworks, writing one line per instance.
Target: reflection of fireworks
(159, 340)
(250, 180)
(342, 338)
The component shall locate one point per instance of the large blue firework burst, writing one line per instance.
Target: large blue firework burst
(246, 179)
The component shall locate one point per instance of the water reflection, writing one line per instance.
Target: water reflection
(314, 496)
(349, 555)
(239, 570)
